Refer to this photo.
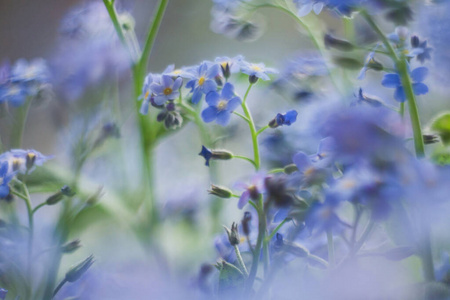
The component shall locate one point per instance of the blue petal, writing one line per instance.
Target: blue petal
(212, 98)
(223, 118)
(233, 104)
(196, 96)
(209, 86)
(213, 71)
(399, 94)
(419, 74)
(144, 107)
(420, 88)
(391, 80)
(209, 114)
(3, 169)
(156, 88)
(228, 91)
(166, 81)
(302, 161)
(4, 190)
(177, 84)
(191, 84)
(318, 8)
(160, 99)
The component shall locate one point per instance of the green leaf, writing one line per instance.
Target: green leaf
(441, 124)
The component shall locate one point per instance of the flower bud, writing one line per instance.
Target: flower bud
(71, 246)
(289, 169)
(220, 191)
(30, 160)
(339, 44)
(252, 79)
(55, 198)
(77, 271)
(225, 69)
(233, 234)
(246, 223)
(430, 139)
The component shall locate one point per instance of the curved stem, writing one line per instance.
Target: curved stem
(242, 116)
(60, 285)
(275, 230)
(38, 207)
(262, 129)
(319, 260)
(253, 132)
(240, 261)
(245, 158)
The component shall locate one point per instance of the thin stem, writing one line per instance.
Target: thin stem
(364, 236)
(39, 206)
(20, 122)
(259, 241)
(253, 133)
(247, 92)
(242, 116)
(60, 285)
(245, 158)
(240, 261)
(318, 260)
(330, 243)
(274, 171)
(262, 129)
(276, 230)
(151, 35)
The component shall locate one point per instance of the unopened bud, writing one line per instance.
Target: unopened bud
(220, 191)
(77, 271)
(339, 44)
(225, 69)
(415, 42)
(30, 160)
(252, 79)
(289, 169)
(233, 234)
(246, 223)
(71, 246)
(430, 139)
(55, 198)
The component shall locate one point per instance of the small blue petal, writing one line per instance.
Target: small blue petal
(391, 80)
(399, 94)
(420, 88)
(419, 74)
(223, 118)
(209, 114)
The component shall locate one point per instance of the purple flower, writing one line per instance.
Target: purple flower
(287, 118)
(203, 81)
(221, 106)
(310, 172)
(5, 178)
(392, 80)
(252, 190)
(23, 160)
(14, 93)
(36, 70)
(166, 90)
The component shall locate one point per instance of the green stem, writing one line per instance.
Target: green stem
(275, 230)
(407, 86)
(242, 116)
(262, 129)
(60, 285)
(274, 171)
(245, 158)
(19, 124)
(240, 261)
(38, 207)
(257, 251)
(253, 132)
(330, 243)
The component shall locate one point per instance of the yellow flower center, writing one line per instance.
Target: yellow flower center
(224, 64)
(309, 171)
(31, 155)
(222, 105)
(147, 93)
(201, 80)
(256, 68)
(167, 91)
(349, 184)
(16, 163)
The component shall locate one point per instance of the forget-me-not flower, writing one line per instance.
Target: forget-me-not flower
(221, 105)
(393, 80)
(203, 81)
(257, 70)
(166, 90)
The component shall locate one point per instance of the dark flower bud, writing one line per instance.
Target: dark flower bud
(284, 119)
(31, 158)
(399, 253)
(220, 191)
(252, 79)
(170, 106)
(277, 191)
(233, 234)
(153, 103)
(339, 44)
(375, 65)
(55, 198)
(71, 246)
(415, 41)
(430, 139)
(246, 223)
(254, 193)
(162, 116)
(218, 80)
(289, 169)
(347, 62)
(279, 243)
(77, 271)
(225, 69)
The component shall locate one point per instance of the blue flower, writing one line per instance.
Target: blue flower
(392, 80)
(257, 70)
(229, 65)
(36, 70)
(14, 93)
(325, 152)
(323, 217)
(287, 118)
(207, 154)
(147, 94)
(5, 178)
(166, 90)
(420, 49)
(371, 100)
(3, 293)
(221, 106)
(23, 160)
(183, 72)
(203, 81)
(310, 172)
